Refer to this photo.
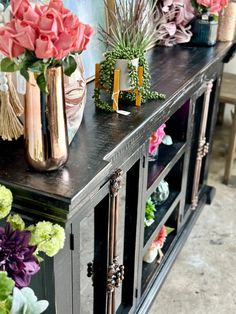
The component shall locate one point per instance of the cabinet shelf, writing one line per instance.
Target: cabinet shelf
(168, 156)
(149, 270)
(162, 214)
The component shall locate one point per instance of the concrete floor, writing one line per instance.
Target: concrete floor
(203, 278)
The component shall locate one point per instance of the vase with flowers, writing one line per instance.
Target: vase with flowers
(205, 25)
(21, 254)
(41, 42)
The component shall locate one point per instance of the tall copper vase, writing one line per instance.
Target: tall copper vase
(46, 141)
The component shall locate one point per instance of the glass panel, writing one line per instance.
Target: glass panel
(86, 255)
(157, 252)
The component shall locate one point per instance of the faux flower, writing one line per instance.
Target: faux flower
(16, 222)
(156, 139)
(5, 201)
(209, 7)
(16, 255)
(40, 37)
(48, 238)
(161, 238)
(175, 16)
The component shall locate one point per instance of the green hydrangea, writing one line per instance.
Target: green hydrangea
(48, 238)
(16, 222)
(5, 201)
(6, 287)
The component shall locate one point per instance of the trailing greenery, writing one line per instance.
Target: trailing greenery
(106, 79)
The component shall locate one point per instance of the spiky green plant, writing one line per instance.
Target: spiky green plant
(133, 29)
(132, 23)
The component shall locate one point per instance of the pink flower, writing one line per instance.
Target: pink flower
(84, 33)
(214, 6)
(19, 7)
(58, 6)
(50, 23)
(31, 17)
(25, 36)
(70, 21)
(8, 44)
(161, 238)
(205, 3)
(63, 45)
(45, 48)
(156, 139)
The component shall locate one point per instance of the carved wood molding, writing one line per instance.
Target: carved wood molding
(115, 272)
(203, 146)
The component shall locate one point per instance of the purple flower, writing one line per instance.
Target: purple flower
(16, 255)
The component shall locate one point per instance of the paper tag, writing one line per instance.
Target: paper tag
(205, 17)
(123, 112)
(20, 83)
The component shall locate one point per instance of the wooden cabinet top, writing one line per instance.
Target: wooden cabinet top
(104, 139)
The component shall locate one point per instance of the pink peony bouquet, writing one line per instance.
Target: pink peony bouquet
(42, 36)
(209, 7)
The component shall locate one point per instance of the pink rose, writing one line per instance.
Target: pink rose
(58, 6)
(70, 21)
(31, 17)
(8, 44)
(45, 47)
(84, 32)
(63, 45)
(224, 3)
(205, 3)
(50, 23)
(19, 7)
(40, 9)
(25, 36)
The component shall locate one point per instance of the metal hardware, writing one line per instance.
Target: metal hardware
(72, 242)
(203, 146)
(115, 272)
(90, 270)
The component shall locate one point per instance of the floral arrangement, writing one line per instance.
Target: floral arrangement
(21, 250)
(209, 8)
(176, 15)
(42, 36)
(158, 137)
(155, 248)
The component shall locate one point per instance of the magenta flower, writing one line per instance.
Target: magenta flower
(16, 255)
(156, 139)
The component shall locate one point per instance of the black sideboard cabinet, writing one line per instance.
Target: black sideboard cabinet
(100, 195)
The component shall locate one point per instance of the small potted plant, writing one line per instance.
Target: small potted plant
(205, 25)
(132, 31)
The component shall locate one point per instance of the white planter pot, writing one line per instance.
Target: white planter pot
(122, 65)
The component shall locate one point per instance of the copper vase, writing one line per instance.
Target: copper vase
(46, 139)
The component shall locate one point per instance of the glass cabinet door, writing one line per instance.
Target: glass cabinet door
(104, 250)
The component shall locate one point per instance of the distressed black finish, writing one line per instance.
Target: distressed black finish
(78, 195)
(176, 71)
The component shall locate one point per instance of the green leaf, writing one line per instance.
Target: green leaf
(24, 73)
(7, 65)
(37, 67)
(42, 83)
(6, 286)
(69, 65)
